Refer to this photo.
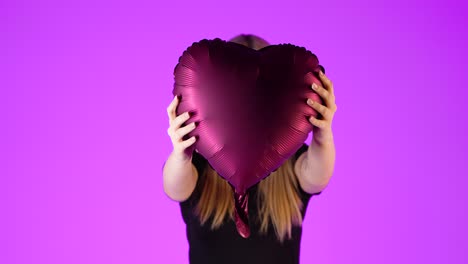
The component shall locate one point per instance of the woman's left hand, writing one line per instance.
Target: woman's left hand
(322, 131)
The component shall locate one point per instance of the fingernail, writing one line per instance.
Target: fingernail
(321, 73)
(314, 86)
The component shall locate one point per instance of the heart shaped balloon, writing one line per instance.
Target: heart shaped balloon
(249, 106)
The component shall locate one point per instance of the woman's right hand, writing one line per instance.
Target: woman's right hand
(177, 132)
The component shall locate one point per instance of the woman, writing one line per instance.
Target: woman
(277, 204)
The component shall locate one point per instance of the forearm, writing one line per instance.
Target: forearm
(320, 161)
(179, 180)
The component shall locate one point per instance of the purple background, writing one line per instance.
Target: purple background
(83, 94)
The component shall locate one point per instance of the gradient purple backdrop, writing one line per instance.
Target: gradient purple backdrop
(83, 94)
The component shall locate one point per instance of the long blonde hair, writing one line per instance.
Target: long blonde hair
(278, 194)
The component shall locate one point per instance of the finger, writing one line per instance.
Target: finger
(179, 120)
(320, 108)
(326, 95)
(187, 143)
(181, 132)
(327, 83)
(171, 109)
(317, 122)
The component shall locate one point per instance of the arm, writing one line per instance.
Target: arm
(179, 174)
(179, 177)
(314, 167)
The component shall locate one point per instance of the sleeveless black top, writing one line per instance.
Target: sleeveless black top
(225, 245)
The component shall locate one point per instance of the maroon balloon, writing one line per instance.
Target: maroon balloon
(250, 109)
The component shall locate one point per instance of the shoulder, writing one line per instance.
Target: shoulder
(301, 150)
(199, 164)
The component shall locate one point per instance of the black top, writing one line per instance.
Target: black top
(225, 245)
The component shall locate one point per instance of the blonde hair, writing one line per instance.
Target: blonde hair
(278, 199)
(278, 194)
